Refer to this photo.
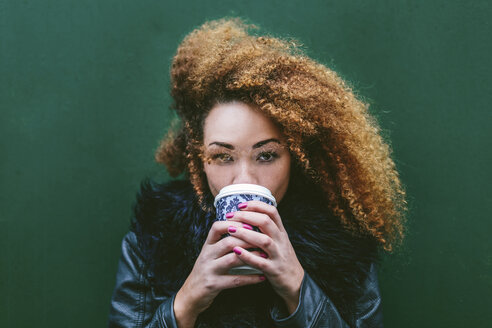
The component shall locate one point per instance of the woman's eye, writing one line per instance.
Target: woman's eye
(267, 156)
(223, 157)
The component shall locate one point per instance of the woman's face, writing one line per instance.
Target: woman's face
(241, 145)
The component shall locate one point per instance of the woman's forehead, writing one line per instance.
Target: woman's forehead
(238, 123)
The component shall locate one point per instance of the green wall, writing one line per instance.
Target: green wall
(83, 103)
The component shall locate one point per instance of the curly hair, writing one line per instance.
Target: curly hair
(330, 134)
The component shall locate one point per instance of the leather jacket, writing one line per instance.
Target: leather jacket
(134, 304)
(331, 257)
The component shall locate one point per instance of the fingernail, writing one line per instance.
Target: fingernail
(242, 205)
(262, 278)
(229, 215)
(263, 255)
(236, 250)
(247, 226)
(232, 229)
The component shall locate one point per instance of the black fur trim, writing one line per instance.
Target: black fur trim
(171, 229)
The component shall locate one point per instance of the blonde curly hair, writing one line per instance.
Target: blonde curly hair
(329, 132)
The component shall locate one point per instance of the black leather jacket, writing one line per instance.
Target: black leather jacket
(135, 304)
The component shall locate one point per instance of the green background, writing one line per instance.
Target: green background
(84, 101)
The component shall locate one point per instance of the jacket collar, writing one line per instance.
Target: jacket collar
(171, 228)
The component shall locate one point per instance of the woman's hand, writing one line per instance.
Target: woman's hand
(281, 267)
(210, 275)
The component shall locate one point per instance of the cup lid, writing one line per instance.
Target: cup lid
(245, 188)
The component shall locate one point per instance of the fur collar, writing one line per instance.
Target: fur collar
(171, 229)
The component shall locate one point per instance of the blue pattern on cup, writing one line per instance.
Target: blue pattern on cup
(230, 203)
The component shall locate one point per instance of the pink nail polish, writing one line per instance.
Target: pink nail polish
(247, 226)
(232, 229)
(262, 278)
(229, 215)
(242, 205)
(236, 250)
(263, 255)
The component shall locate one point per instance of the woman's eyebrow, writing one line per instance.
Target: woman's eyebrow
(222, 144)
(264, 142)
(256, 145)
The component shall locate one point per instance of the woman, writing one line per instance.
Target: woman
(257, 110)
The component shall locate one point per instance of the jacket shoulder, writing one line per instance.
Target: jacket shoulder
(169, 228)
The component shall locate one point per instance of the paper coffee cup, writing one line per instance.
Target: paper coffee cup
(228, 200)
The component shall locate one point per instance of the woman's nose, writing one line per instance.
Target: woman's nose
(245, 174)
